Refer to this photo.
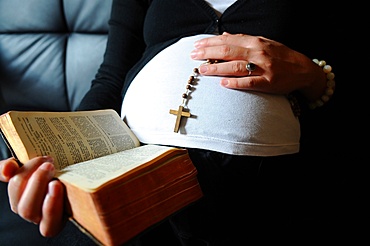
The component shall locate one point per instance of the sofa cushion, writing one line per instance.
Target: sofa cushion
(50, 51)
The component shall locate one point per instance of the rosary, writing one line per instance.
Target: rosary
(182, 111)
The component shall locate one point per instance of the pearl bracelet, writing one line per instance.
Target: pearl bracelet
(330, 84)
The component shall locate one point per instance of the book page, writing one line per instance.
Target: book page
(73, 137)
(90, 175)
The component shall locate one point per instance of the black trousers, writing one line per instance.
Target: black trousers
(246, 200)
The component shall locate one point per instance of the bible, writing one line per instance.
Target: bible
(116, 188)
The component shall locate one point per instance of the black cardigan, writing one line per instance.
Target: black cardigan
(140, 29)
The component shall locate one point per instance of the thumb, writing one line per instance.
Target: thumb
(8, 169)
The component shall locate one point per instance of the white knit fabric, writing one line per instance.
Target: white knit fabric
(220, 5)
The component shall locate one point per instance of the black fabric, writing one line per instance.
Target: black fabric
(135, 20)
(13, 229)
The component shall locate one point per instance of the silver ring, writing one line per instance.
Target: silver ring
(250, 67)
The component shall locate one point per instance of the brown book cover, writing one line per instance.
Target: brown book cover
(116, 188)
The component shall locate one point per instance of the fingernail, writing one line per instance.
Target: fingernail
(197, 43)
(224, 82)
(53, 189)
(194, 54)
(49, 168)
(203, 69)
(48, 158)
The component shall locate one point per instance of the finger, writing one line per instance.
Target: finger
(8, 168)
(52, 210)
(221, 52)
(253, 83)
(30, 203)
(19, 181)
(232, 68)
(226, 39)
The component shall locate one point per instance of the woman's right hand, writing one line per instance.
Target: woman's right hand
(279, 69)
(34, 194)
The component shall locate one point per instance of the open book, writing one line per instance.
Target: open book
(116, 188)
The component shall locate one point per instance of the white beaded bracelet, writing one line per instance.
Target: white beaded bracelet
(330, 84)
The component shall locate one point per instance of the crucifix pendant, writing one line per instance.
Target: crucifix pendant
(179, 113)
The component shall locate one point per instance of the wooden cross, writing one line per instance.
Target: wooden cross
(180, 113)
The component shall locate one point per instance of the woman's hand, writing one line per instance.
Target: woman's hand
(279, 69)
(34, 194)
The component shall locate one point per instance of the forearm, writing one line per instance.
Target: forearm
(125, 46)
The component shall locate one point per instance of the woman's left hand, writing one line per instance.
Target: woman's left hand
(279, 69)
(34, 194)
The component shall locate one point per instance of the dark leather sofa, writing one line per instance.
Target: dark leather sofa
(50, 51)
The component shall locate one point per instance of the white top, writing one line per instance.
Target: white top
(220, 5)
(225, 120)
